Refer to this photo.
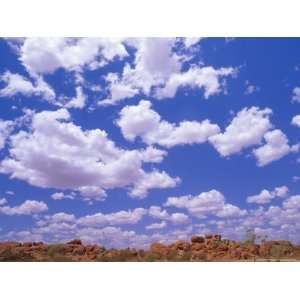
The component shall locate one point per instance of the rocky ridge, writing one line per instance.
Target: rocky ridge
(208, 248)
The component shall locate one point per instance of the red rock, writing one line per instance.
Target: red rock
(197, 246)
(80, 250)
(28, 244)
(208, 236)
(253, 249)
(10, 244)
(223, 247)
(159, 248)
(75, 242)
(235, 254)
(210, 256)
(182, 245)
(197, 239)
(217, 237)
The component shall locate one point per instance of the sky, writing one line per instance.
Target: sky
(128, 141)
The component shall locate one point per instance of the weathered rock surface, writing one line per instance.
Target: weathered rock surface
(208, 248)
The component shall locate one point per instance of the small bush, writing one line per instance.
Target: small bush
(55, 250)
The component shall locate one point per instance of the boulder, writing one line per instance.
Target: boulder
(182, 245)
(80, 250)
(159, 249)
(197, 239)
(75, 242)
(197, 246)
(217, 237)
(208, 236)
(276, 248)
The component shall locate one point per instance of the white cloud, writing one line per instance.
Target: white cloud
(142, 121)
(206, 203)
(58, 218)
(46, 55)
(153, 64)
(117, 218)
(5, 129)
(28, 207)
(191, 41)
(278, 222)
(206, 78)
(10, 192)
(61, 195)
(3, 201)
(17, 84)
(78, 101)
(250, 88)
(175, 218)
(118, 90)
(296, 120)
(245, 130)
(155, 179)
(265, 196)
(292, 202)
(276, 147)
(178, 218)
(58, 196)
(156, 71)
(160, 225)
(296, 94)
(154, 155)
(281, 191)
(55, 153)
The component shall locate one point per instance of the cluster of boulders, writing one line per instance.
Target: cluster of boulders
(213, 248)
(208, 248)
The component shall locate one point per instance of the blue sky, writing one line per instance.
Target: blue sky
(129, 141)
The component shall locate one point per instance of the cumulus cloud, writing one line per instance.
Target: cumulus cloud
(296, 94)
(3, 201)
(296, 120)
(142, 121)
(175, 218)
(154, 155)
(160, 225)
(153, 64)
(278, 222)
(157, 72)
(246, 129)
(61, 195)
(56, 153)
(276, 147)
(117, 218)
(17, 84)
(46, 55)
(5, 129)
(155, 179)
(265, 196)
(118, 90)
(78, 101)
(206, 78)
(28, 207)
(191, 41)
(292, 202)
(250, 88)
(206, 203)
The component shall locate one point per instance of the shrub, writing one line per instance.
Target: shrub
(55, 250)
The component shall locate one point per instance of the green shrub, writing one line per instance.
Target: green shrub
(55, 250)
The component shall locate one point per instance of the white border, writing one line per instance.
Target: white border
(149, 18)
(155, 280)
(149, 281)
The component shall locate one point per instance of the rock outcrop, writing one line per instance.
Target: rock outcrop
(208, 248)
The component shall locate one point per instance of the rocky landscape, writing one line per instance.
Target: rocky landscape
(208, 248)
